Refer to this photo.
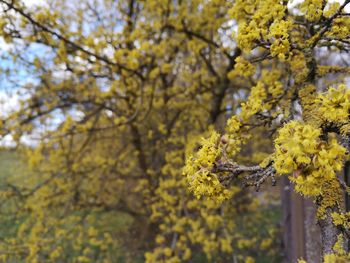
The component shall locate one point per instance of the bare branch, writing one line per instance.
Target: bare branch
(257, 175)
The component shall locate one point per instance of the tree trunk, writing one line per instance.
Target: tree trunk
(329, 232)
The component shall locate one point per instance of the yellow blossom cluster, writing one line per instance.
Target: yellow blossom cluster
(255, 101)
(279, 31)
(340, 28)
(298, 66)
(198, 170)
(313, 162)
(264, 22)
(312, 9)
(331, 9)
(335, 105)
(233, 135)
(243, 68)
(143, 91)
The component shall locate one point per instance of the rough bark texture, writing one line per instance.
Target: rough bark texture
(329, 232)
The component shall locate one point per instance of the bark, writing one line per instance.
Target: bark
(329, 232)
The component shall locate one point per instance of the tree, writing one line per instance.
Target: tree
(119, 92)
(299, 92)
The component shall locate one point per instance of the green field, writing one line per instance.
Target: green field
(10, 165)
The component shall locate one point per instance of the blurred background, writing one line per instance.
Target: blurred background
(101, 102)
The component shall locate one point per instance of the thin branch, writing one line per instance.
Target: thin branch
(67, 41)
(257, 175)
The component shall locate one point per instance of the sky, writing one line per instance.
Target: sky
(34, 2)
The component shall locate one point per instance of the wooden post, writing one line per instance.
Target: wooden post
(347, 198)
(312, 232)
(286, 223)
(293, 223)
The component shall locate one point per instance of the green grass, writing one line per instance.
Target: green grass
(10, 163)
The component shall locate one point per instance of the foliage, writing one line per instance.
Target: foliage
(119, 93)
(303, 100)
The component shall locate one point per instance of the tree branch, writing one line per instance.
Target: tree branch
(11, 6)
(257, 174)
